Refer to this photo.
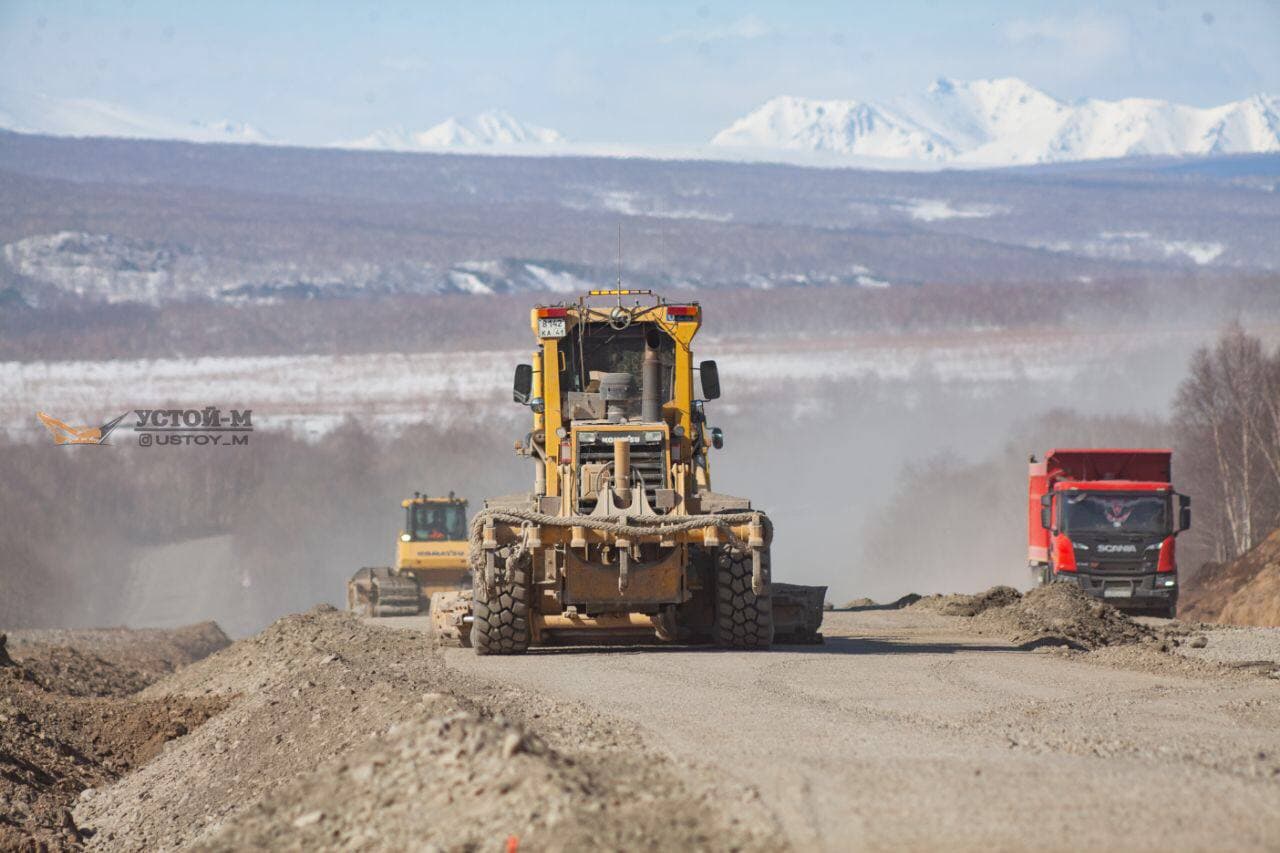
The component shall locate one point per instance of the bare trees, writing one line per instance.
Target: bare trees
(1227, 423)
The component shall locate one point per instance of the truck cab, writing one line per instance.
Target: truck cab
(1107, 520)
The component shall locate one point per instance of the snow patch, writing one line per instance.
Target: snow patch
(1138, 246)
(635, 204)
(937, 209)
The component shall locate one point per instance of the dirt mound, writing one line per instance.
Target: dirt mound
(112, 661)
(1245, 591)
(969, 605)
(344, 734)
(55, 743)
(1063, 614)
(492, 778)
(869, 604)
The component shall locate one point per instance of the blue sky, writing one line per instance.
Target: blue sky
(645, 73)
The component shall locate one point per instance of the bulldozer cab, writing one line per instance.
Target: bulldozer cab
(434, 520)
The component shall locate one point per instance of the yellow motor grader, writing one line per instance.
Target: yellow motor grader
(431, 557)
(621, 536)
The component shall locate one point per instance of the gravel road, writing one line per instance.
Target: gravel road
(905, 730)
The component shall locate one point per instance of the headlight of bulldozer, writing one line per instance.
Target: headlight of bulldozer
(405, 537)
(653, 436)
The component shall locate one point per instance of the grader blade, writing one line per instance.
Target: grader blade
(797, 613)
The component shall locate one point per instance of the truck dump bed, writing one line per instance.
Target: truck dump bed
(1085, 465)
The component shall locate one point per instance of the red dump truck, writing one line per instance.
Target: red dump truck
(1106, 519)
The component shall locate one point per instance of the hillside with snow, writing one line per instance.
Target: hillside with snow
(86, 117)
(1005, 122)
(490, 129)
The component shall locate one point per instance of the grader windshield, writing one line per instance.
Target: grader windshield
(594, 349)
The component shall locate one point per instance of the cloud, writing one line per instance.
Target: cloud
(746, 28)
(1086, 41)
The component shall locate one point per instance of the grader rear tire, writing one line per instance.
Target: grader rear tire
(744, 620)
(500, 624)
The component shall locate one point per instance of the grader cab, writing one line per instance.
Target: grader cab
(622, 536)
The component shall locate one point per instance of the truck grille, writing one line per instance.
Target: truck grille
(1121, 567)
(647, 457)
(1125, 563)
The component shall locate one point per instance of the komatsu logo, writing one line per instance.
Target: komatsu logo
(1117, 549)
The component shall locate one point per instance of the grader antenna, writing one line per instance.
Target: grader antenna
(619, 287)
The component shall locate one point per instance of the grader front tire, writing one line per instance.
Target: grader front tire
(744, 620)
(500, 624)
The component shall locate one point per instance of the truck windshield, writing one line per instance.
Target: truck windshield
(1109, 512)
(435, 522)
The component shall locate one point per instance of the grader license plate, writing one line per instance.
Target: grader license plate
(551, 327)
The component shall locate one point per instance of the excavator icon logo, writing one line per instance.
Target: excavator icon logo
(64, 433)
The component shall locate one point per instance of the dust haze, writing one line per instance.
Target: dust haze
(879, 485)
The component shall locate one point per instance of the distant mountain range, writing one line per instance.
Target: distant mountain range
(999, 122)
(1005, 122)
(85, 117)
(490, 128)
(37, 113)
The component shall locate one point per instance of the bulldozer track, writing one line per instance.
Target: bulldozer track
(380, 591)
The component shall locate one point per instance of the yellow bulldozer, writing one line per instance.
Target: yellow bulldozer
(431, 557)
(622, 536)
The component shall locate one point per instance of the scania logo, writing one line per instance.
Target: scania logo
(1117, 549)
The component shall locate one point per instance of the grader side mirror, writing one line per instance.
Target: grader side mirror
(523, 385)
(710, 380)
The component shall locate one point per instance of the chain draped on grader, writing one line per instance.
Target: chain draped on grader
(622, 536)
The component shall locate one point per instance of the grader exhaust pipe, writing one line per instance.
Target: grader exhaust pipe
(649, 380)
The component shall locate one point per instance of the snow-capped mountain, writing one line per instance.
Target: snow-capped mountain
(493, 128)
(38, 113)
(1005, 122)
